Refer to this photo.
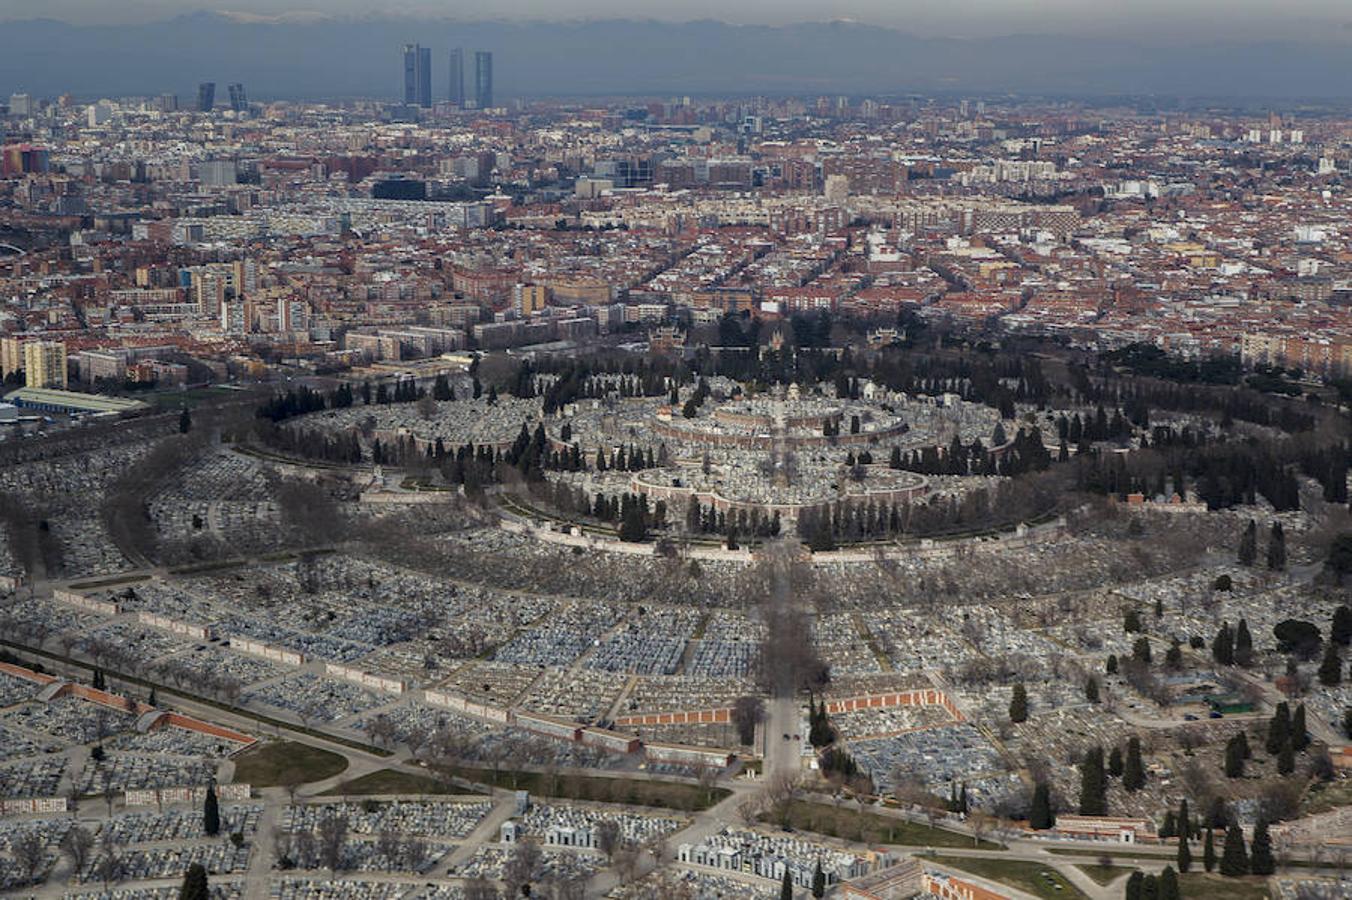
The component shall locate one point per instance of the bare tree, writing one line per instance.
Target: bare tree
(479, 888)
(608, 837)
(109, 865)
(749, 810)
(332, 836)
(78, 844)
(415, 852)
(283, 848)
(389, 844)
(522, 868)
(780, 792)
(980, 823)
(30, 852)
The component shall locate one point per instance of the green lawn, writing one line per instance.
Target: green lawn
(1103, 874)
(278, 763)
(849, 824)
(670, 795)
(392, 781)
(1203, 886)
(1033, 878)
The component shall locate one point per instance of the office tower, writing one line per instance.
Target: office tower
(483, 79)
(167, 103)
(239, 101)
(458, 77)
(417, 75)
(20, 105)
(206, 96)
(45, 364)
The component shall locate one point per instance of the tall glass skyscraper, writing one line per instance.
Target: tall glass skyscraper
(206, 96)
(483, 79)
(417, 75)
(239, 101)
(457, 95)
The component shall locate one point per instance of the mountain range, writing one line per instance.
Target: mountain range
(335, 59)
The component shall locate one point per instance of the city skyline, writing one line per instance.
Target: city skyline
(1325, 20)
(348, 59)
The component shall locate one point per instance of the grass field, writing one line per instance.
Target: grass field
(175, 400)
(850, 824)
(391, 781)
(666, 794)
(1103, 874)
(1203, 886)
(1033, 878)
(278, 763)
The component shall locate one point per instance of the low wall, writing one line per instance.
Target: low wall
(682, 717)
(365, 679)
(468, 707)
(175, 626)
(24, 806)
(177, 721)
(232, 793)
(267, 651)
(92, 604)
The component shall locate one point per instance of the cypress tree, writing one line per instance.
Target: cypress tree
(1286, 758)
(1018, 706)
(1243, 643)
(1134, 881)
(1279, 729)
(1133, 772)
(786, 887)
(1276, 554)
(1140, 651)
(211, 813)
(195, 885)
(1209, 851)
(1168, 882)
(1234, 758)
(1115, 762)
(1300, 735)
(1184, 853)
(818, 881)
(1041, 817)
(1340, 631)
(1248, 544)
(1331, 669)
(1223, 647)
(1234, 857)
(1093, 786)
(1184, 819)
(1091, 689)
(1260, 851)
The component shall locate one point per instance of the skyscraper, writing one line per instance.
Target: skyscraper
(483, 79)
(417, 75)
(239, 101)
(457, 95)
(206, 96)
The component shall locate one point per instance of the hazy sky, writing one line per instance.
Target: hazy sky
(1166, 19)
